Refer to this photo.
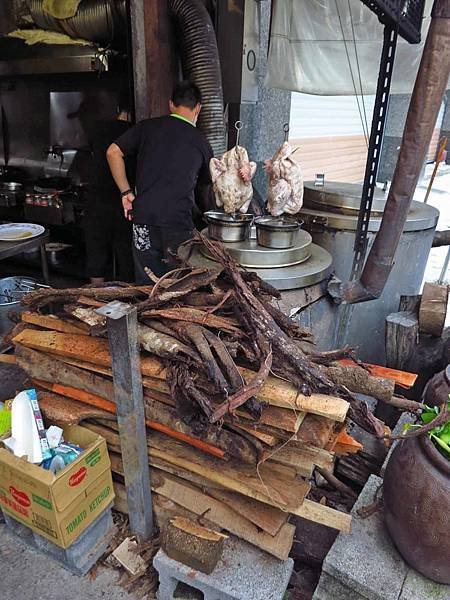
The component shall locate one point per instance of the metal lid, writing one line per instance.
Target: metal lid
(248, 253)
(420, 217)
(311, 271)
(340, 197)
(228, 219)
(282, 223)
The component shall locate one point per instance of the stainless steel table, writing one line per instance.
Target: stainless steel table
(9, 249)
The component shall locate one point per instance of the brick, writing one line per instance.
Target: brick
(366, 561)
(243, 573)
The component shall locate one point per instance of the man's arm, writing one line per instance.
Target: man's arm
(116, 163)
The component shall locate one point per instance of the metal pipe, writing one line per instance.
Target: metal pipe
(429, 88)
(201, 64)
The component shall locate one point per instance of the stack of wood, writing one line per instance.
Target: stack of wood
(240, 406)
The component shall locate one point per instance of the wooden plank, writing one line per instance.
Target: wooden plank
(345, 444)
(82, 348)
(199, 503)
(8, 359)
(48, 368)
(266, 487)
(54, 323)
(314, 431)
(280, 418)
(266, 438)
(313, 511)
(275, 391)
(267, 518)
(303, 460)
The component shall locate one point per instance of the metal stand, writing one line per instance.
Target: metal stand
(374, 150)
(370, 176)
(124, 348)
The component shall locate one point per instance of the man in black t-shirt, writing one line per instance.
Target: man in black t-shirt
(172, 158)
(108, 233)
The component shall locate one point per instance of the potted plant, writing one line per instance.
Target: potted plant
(416, 494)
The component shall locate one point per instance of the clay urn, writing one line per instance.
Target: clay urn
(437, 390)
(416, 495)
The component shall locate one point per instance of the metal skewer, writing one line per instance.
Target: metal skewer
(286, 131)
(238, 126)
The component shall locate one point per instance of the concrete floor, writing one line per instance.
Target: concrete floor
(28, 575)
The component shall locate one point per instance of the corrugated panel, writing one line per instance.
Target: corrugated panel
(328, 116)
(339, 158)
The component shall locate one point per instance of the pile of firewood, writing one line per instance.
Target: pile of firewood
(240, 406)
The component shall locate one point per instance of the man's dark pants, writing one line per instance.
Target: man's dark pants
(159, 258)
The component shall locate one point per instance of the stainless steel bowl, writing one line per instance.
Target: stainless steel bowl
(276, 232)
(228, 227)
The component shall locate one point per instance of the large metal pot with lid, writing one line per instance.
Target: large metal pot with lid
(226, 227)
(276, 232)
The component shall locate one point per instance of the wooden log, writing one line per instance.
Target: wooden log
(54, 323)
(403, 378)
(358, 380)
(433, 309)
(402, 335)
(410, 304)
(192, 544)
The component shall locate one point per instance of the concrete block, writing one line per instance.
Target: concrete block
(83, 554)
(417, 587)
(330, 588)
(243, 573)
(366, 561)
(398, 430)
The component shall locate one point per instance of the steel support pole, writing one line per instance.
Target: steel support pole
(121, 322)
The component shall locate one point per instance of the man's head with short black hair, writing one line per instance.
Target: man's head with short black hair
(186, 94)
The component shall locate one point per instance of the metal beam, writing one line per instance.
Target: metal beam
(121, 322)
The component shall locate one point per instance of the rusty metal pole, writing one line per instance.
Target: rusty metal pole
(429, 88)
(121, 320)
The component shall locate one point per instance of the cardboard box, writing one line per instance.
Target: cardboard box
(59, 507)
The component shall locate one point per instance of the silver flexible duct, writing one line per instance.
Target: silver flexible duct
(201, 65)
(98, 21)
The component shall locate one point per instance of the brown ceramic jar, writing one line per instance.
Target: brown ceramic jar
(416, 494)
(437, 390)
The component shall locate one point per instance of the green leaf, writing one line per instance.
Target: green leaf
(442, 444)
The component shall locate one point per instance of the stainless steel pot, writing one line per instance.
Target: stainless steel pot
(276, 232)
(56, 252)
(228, 227)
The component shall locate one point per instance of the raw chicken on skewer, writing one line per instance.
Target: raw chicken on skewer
(285, 193)
(232, 178)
